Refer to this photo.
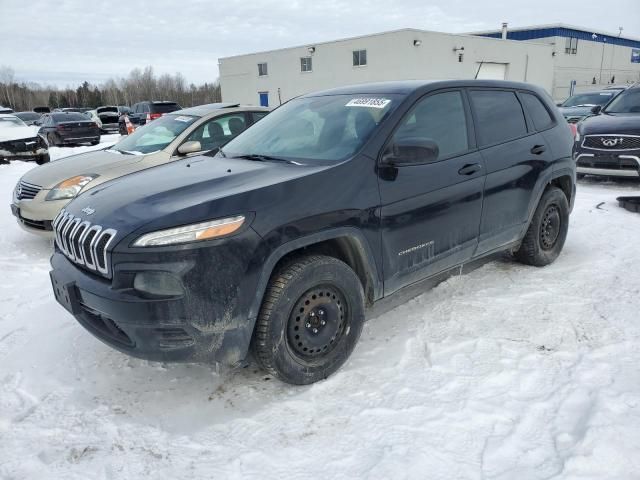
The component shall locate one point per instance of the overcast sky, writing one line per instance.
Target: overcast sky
(64, 42)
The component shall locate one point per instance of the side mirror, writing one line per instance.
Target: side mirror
(559, 104)
(36, 122)
(596, 110)
(411, 151)
(192, 146)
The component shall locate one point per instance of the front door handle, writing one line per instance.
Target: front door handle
(538, 149)
(470, 169)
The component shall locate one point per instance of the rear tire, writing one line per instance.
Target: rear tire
(547, 232)
(310, 320)
(95, 142)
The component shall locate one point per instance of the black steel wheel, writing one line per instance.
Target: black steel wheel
(317, 322)
(310, 321)
(550, 227)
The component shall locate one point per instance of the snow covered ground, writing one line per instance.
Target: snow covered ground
(509, 372)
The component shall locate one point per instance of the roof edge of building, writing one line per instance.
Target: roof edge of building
(376, 34)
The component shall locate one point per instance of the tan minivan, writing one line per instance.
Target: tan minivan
(42, 192)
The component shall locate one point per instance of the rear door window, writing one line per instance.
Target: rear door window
(539, 114)
(499, 116)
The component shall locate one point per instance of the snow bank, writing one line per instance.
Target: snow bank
(509, 372)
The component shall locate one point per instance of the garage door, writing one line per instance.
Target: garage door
(492, 71)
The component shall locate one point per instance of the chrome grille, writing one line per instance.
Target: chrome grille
(612, 142)
(82, 243)
(27, 191)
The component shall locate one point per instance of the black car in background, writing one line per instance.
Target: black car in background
(144, 112)
(330, 203)
(68, 128)
(608, 142)
(28, 118)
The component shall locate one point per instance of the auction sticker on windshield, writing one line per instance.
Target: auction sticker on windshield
(183, 119)
(368, 102)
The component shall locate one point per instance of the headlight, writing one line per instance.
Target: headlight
(191, 233)
(70, 187)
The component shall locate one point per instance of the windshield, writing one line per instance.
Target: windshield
(11, 122)
(627, 102)
(155, 135)
(590, 99)
(331, 127)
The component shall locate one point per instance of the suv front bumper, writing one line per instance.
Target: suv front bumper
(207, 323)
(616, 164)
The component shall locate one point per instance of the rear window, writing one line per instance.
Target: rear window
(69, 117)
(164, 107)
(537, 111)
(499, 116)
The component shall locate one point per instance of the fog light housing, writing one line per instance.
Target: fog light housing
(162, 284)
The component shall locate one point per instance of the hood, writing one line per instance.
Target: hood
(616, 123)
(99, 162)
(17, 133)
(182, 192)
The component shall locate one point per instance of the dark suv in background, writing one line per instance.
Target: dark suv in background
(328, 204)
(608, 142)
(144, 112)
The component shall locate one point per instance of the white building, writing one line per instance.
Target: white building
(593, 59)
(272, 77)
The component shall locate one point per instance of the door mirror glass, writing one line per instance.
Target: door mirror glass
(412, 151)
(596, 110)
(192, 146)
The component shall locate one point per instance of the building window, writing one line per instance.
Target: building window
(571, 46)
(262, 69)
(305, 64)
(359, 58)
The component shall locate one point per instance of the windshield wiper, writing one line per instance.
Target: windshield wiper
(265, 158)
(119, 151)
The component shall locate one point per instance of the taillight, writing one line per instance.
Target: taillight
(63, 127)
(93, 125)
(153, 116)
(574, 129)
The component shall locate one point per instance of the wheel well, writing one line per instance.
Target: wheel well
(564, 183)
(346, 249)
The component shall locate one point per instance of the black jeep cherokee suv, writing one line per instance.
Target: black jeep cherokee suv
(333, 201)
(608, 143)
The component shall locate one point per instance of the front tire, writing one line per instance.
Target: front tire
(310, 320)
(43, 159)
(547, 232)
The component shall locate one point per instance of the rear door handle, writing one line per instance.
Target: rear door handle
(538, 149)
(470, 169)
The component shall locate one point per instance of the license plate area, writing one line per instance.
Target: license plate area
(66, 294)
